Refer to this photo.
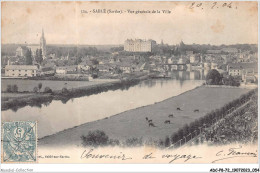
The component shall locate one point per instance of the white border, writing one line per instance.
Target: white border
(126, 167)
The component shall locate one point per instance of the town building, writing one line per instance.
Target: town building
(213, 51)
(194, 59)
(244, 70)
(66, 70)
(43, 45)
(139, 45)
(229, 50)
(21, 70)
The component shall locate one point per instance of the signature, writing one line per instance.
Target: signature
(233, 153)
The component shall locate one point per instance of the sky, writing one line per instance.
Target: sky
(64, 22)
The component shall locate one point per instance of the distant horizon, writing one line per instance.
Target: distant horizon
(34, 44)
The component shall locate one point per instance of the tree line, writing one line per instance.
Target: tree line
(206, 121)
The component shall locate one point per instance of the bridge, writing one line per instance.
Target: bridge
(175, 66)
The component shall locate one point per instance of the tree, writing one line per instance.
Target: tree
(231, 81)
(167, 142)
(28, 57)
(78, 60)
(47, 90)
(40, 86)
(14, 88)
(35, 89)
(9, 88)
(65, 91)
(213, 77)
(94, 62)
(38, 57)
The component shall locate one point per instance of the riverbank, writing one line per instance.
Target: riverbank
(133, 124)
(36, 99)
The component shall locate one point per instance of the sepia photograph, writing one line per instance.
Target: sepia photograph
(142, 82)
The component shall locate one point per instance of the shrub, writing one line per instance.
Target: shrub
(14, 88)
(134, 142)
(113, 142)
(161, 143)
(64, 91)
(47, 90)
(35, 89)
(167, 142)
(174, 138)
(95, 138)
(186, 130)
(180, 133)
(9, 88)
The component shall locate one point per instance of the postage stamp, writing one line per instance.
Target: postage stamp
(19, 141)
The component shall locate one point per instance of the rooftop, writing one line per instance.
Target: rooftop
(21, 67)
(243, 65)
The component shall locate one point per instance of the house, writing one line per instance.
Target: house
(112, 60)
(229, 50)
(214, 65)
(213, 51)
(207, 65)
(66, 70)
(84, 65)
(194, 59)
(189, 52)
(140, 67)
(103, 68)
(244, 70)
(126, 68)
(21, 70)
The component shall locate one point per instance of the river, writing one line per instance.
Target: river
(57, 116)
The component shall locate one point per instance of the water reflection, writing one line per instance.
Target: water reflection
(199, 74)
(56, 115)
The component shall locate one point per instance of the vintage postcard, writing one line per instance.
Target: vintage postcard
(129, 82)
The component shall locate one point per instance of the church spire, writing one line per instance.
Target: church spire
(43, 44)
(42, 33)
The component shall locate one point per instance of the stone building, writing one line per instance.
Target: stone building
(21, 70)
(139, 45)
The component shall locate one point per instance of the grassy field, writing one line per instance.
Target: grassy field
(28, 85)
(133, 123)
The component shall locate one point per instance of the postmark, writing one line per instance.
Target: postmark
(19, 142)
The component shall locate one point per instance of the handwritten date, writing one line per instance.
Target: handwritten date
(214, 5)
